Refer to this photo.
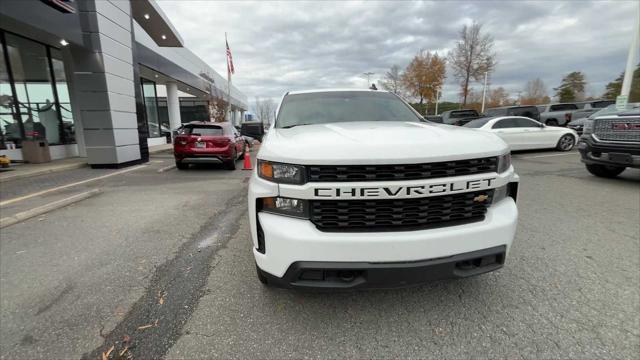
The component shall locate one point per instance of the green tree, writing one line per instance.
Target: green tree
(566, 94)
(572, 86)
(614, 88)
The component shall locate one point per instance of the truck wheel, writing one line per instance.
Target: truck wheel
(263, 279)
(181, 166)
(552, 122)
(605, 170)
(566, 142)
(231, 164)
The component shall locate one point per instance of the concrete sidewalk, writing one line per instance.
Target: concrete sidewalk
(23, 170)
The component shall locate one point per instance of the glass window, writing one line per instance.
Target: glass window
(478, 123)
(526, 123)
(505, 124)
(342, 106)
(10, 133)
(463, 114)
(64, 100)
(563, 107)
(496, 112)
(151, 107)
(203, 130)
(35, 99)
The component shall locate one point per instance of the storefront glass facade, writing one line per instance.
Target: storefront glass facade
(34, 97)
(151, 107)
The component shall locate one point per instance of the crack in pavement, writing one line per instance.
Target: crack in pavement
(154, 323)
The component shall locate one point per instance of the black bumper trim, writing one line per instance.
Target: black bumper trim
(365, 275)
(591, 150)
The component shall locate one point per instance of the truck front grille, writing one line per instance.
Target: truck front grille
(344, 173)
(400, 214)
(622, 129)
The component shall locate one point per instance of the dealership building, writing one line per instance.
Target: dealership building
(100, 79)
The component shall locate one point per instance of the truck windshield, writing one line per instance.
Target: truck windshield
(342, 106)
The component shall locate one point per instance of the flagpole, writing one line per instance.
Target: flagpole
(228, 79)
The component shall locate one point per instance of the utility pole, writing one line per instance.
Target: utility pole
(437, 98)
(632, 58)
(368, 75)
(484, 91)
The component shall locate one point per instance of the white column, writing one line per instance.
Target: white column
(173, 105)
(241, 116)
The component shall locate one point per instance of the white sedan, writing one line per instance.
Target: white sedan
(522, 133)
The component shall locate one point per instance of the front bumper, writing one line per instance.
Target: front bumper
(371, 275)
(289, 240)
(608, 153)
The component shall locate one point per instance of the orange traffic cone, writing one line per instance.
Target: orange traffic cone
(247, 158)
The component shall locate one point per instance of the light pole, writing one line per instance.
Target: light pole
(437, 98)
(632, 58)
(368, 75)
(484, 91)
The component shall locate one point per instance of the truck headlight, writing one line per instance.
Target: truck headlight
(587, 129)
(281, 173)
(508, 190)
(286, 206)
(504, 162)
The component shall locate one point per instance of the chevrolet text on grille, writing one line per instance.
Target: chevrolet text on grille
(392, 191)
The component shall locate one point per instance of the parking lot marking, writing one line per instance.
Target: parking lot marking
(39, 193)
(542, 156)
(25, 215)
(166, 168)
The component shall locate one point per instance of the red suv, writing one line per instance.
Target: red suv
(208, 142)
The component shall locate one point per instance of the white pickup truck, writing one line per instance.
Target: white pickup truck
(352, 189)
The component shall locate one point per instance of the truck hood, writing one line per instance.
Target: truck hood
(377, 142)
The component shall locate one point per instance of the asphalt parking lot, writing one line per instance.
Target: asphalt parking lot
(570, 288)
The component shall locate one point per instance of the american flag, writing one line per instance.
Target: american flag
(230, 68)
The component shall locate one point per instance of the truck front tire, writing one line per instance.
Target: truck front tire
(605, 171)
(552, 122)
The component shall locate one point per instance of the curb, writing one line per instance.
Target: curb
(42, 172)
(25, 215)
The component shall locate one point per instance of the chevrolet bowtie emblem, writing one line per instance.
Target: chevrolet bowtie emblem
(480, 198)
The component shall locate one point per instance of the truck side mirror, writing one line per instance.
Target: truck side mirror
(252, 129)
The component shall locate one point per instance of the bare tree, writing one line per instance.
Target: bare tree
(392, 80)
(217, 104)
(498, 97)
(472, 57)
(265, 110)
(535, 92)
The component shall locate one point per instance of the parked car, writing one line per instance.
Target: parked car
(522, 133)
(557, 114)
(611, 143)
(459, 117)
(595, 104)
(528, 111)
(207, 142)
(579, 117)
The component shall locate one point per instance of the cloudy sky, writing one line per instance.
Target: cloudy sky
(292, 45)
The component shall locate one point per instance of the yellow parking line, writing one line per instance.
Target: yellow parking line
(25, 197)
